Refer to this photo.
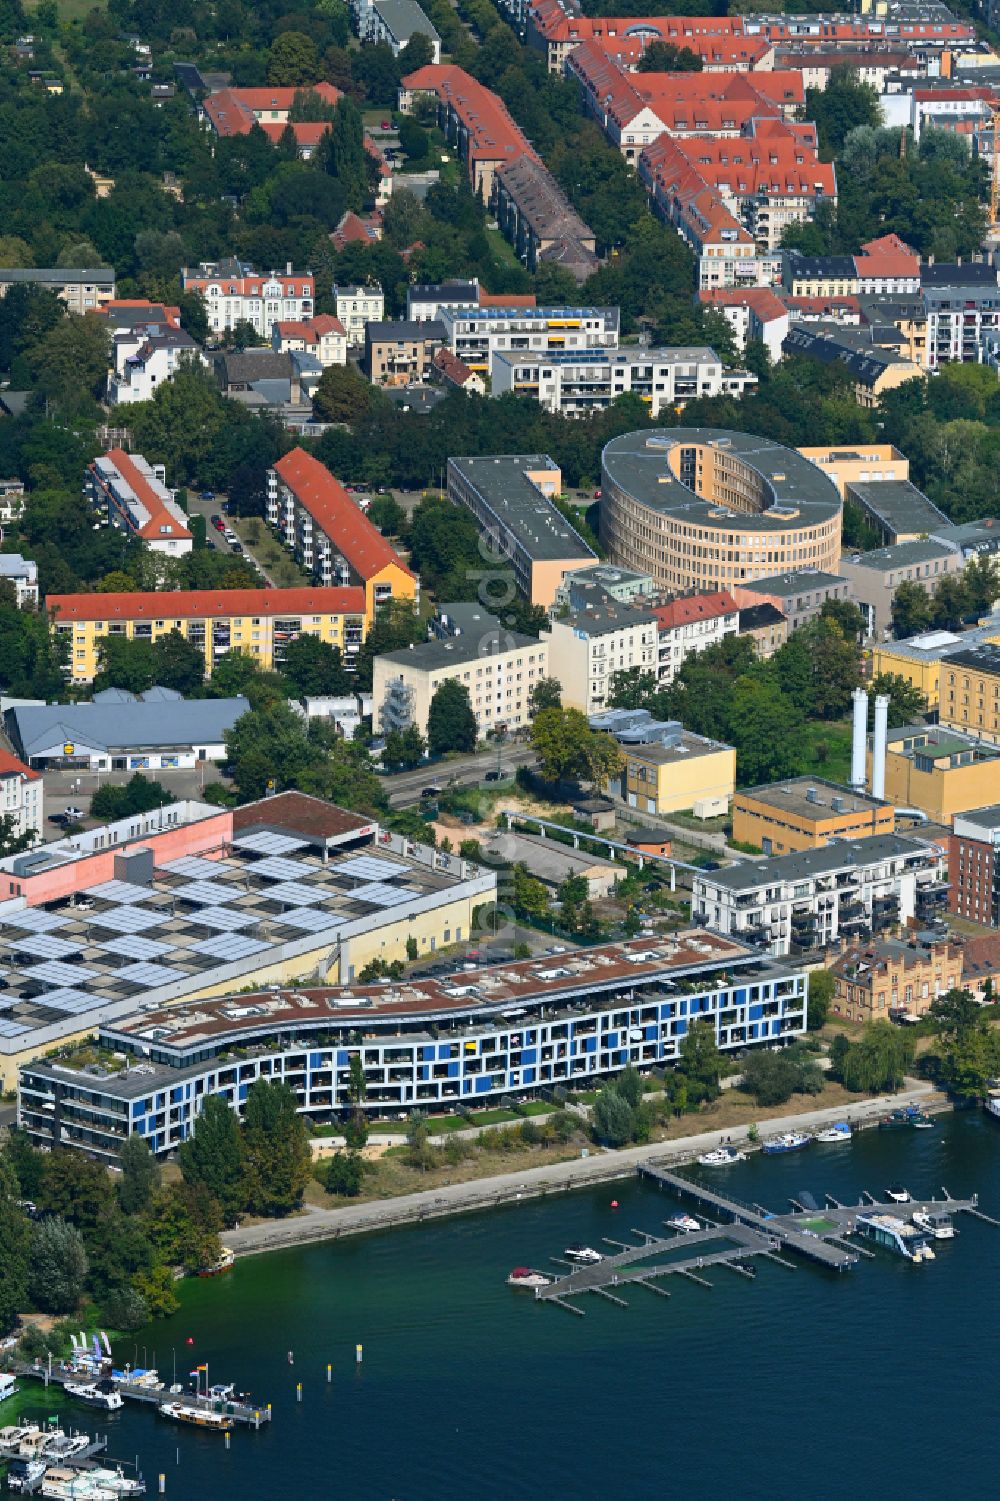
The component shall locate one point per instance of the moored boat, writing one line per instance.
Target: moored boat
(585, 1255)
(839, 1131)
(62, 1484)
(527, 1277)
(936, 1222)
(8, 1386)
(898, 1193)
(96, 1394)
(721, 1157)
(921, 1121)
(23, 1475)
(197, 1417)
(991, 1104)
(685, 1222)
(788, 1141)
(896, 1120)
(225, 1261)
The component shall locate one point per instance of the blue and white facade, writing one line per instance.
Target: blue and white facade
(428, 1045)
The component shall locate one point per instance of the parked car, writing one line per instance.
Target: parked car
(217, 522)
(208, 495)
(494, 776)
(386, 124)
(58, 818)
(431, 791)
(236, 547)
(73, 812)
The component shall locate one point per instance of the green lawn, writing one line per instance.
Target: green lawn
(827, 750)
(500, 250)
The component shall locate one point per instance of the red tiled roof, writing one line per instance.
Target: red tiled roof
(764, 303)
(306, 132)
(160, 515)
(312, 331)
(206, 604)
(491, 134)
(231, 112)
(10, 766)
(330, 506)
(694, 607)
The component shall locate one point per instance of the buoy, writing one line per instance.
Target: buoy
(614, 1203)
(359, 1352)
(190, 1340)
(291, 1357)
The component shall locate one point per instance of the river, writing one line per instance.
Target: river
(799, 1383)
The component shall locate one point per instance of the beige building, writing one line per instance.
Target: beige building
(398, 353)
(687, 772)
(860, 464)
(498, 668)
(511, 498)
(356, 307)
(587, 647)
(82, 291)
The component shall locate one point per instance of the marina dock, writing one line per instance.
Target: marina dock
(733, 1234)
(240, 1412)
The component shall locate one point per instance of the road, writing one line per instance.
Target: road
(464, 771)
(528, 1183)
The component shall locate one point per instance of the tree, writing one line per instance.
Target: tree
(846, 614)
(631, 688)
(15, 1240)
(70, 364)
(843, 105)
(386, 513)
(140, 1174)
(629, 1086)
(906, 703)
(26, 1162)
(276, 1150)
(412, 138)
(345, 155)
(664, 57)
(878, 1060)
(77, 1189)
(699, 1058)
(139, 795)
(122, 663)
(344, 1175)
(568, 749)
(967, 1053)
(772, 1078)
(545, 694)
(614, 1118)
(404, 748)
(529, 897)
(58, 1267)
(451, 724)
(12, 840)
(213, 1157)
(178, 663)
(821, 990)
(184, 1220)
(912, 611)
(315, 668)
(765, 727)
(293, 60)
(343, 395)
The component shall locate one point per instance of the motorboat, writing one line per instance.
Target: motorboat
(96, 1393)
(897, 1120)
(898, 1193)
(198, 1417)
(23, 1475)
(721, 1157)
(20, 1441)
(685, 1222)
(788, 1141)
(991, 1104)
(59, 1446)
(527, 1277)
(936, 1222)
(74, 1485)
(8, 1386)
(839, 1131)
(117, 1481)
(921, 1121)
(226, 1259)
(585, 1255)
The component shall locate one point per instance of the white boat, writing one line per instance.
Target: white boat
(585, 1255)
(58, 1446)
(721, 1157)
(526, 1276)
(117, 1481)
(8, 1386)
(898, 1193)
(839, 1131)
(937, 1223)
(198, 1417)
(74, 1485)
(23, 1475)
(97, 1394)
(788, 1141)
(991, 1104)
(685, 1222)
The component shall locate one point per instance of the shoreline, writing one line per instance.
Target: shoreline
(372, 1215)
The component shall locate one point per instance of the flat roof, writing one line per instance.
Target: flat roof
(520, 508)
(797, 493)
(792, 797)
(898, 504)
(802, 865)
(683, 745)
(985, 658)
(603, 616)
(798, 581)
(456, 650)
(897, 555)
(936, 742)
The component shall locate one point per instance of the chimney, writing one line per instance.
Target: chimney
(879, 743)
(860, 739)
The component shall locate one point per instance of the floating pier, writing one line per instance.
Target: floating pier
(735, 1233)
(240, 1412)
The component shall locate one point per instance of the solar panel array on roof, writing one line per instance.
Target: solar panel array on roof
(279, 868)
(133, 946)
(129, 919)
(296, 893)
(34, 920)
(44, 946)
(264, 842)
(146, 973)
(13, 1029)
(194, 867)
(205, 893)
(380, 895)
(55, 972)
(225, 919)
(310, 920)
(370, 868)
(120, 891)
(70, 1001)
(229, 946)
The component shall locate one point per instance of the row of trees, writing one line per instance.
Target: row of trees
(622, 1114)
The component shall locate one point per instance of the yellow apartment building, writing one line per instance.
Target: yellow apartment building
(806, 813)
(970, 693)
(940, 771)
(691, 773)
(260, 622)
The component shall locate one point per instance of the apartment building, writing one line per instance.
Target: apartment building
(394, 23)
(540, 223)
(889, 978)
(510, 497)
(498, 669)
(875, 576)
(939, 770)
(147, 358)
(604, 581)
(474, 120)
(918, 660)
(259, 622)
(679, 772)
(974, 866)
(576, 382)
(401, 352)
(806, 813)
(236, 294)
(799, 595)
(963, 311)
(587, 647)
(83, 290)
(689, 624)
(753, 313)
(325, 338)
(868, 463)
(21, 794)
(236, 111)
(811, 898)
(132, 496)
(477, 334)
(330, 535)
(356, 307)
(22, 576)
(11, 500)
(765, 626)
(970, 692)
(875, 370)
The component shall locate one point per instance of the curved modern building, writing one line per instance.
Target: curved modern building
(704, 508)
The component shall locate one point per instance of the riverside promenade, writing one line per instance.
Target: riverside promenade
(527, 1183)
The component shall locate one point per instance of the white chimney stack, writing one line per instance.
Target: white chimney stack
(879, 744)
(860, 740)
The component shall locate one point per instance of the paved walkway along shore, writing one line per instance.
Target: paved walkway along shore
(557, 1177)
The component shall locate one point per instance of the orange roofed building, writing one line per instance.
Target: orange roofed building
(260, 622)
(475, 121)
(133, 497)
(689, 624)
(330, 535)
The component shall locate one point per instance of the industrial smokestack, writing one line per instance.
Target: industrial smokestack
(879, 744)
(860, 739)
